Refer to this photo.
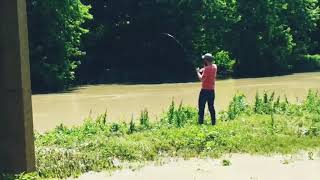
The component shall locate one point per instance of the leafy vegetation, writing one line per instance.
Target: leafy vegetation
(269, 125)
(224, 62)
(307, 62)
(226, 162)
(55, 32)
(98, 41)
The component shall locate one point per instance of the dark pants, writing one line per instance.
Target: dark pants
(207, 96)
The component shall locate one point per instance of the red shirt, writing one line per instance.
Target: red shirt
(209, 77)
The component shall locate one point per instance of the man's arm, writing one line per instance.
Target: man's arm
(199, 75)
(199, 71)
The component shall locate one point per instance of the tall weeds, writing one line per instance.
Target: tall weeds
(144, 119)
(179, 116)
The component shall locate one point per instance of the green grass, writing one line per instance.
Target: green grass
(226, 162)
(269, 126)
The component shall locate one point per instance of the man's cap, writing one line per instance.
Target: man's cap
(207, 56)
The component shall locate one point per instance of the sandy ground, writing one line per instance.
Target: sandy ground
(243, 167)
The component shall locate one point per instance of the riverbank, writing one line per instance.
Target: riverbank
(269, 126)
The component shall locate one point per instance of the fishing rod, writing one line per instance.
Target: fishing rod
(169, 37)
(175, 40)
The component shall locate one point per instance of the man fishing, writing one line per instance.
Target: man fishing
(207, 76)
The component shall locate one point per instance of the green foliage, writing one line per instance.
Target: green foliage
(237, 107)
(226, 162)
(55, 31)
(132, 127)
(307, 63)
(22, 176)
(180, 116)
(312, 102)
(216, 19)
(271, 33)
(267, 104)
(224, 62)
(144, 118)
(127, 39)
(264, 38)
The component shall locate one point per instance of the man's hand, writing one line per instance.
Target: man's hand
(200, 70)
(199, 74)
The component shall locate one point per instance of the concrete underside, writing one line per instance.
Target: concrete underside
(16, 126)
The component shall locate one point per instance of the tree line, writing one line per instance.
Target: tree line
(132, 41)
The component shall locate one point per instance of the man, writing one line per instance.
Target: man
(207, 76)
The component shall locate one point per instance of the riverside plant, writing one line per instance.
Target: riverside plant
(270, 125)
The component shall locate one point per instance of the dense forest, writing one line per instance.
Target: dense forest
(139, 41)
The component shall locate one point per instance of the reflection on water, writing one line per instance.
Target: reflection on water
(123, 101)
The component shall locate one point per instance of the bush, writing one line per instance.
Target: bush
(312, 102)
(144, 118)
(307, 63)
(224, 62)
(55, 32)
(237, 106)
(266, 104)
(180, 116)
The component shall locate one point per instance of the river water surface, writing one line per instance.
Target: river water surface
(124, 101)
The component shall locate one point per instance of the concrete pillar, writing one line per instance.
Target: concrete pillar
(16, 126)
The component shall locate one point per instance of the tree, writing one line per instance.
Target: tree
(271, 33)
(127, 39)
(216, 19)
(55, 30)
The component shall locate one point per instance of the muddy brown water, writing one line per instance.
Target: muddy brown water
(124, 101)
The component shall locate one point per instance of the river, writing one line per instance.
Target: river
(124, 101)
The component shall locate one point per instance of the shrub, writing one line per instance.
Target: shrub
(312, 102)
(132, 126)
(226, 162)
(55, 51)
(224, 62)
(270, 104)
(307, 63)
(180, 116)
(265, 104)
(237, 106)
(144, 119)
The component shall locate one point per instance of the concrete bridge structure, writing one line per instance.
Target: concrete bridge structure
(16, 125)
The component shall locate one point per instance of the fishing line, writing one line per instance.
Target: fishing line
(175, 40)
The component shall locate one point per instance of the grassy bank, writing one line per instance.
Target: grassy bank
(268, 125)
